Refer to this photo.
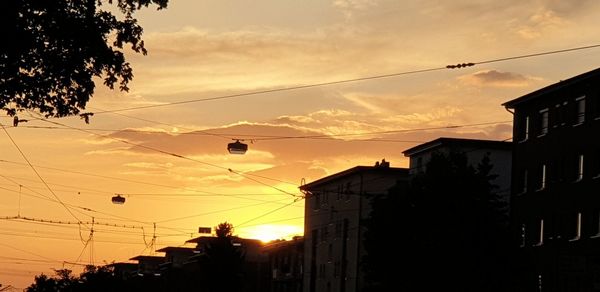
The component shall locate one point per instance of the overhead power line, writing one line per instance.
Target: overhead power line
(247, 176)
(452, 66)
(37, 173)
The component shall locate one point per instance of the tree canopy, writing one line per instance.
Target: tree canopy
(224, 229)
(52, 51)
(451, 227)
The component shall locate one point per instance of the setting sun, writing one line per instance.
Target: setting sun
(269, 232)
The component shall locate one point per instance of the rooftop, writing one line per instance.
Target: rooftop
(355, 170)
(176, 248)
(457, 142)
(147, 258)
(553, 87)
(208, 239)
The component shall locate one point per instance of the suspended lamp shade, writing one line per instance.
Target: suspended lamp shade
(237, 147)
(118, 200)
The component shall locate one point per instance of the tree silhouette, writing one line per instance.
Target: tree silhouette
(224, 230)
(92, 279)
(62, 281)
(52, 50)
(221, 266)
(451, 228)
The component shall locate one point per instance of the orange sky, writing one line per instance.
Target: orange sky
(203, 49)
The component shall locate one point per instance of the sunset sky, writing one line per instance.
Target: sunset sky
(205, 49)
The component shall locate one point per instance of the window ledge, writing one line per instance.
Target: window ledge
(541, 189)
(597, 235)
(542, 135)
(596, 176)
(578, 124)
(574, 239)
(523, 140)
(577, 180)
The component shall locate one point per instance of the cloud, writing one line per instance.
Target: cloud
(495, 78)
(541, 23)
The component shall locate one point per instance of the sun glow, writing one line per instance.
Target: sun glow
(266, 233)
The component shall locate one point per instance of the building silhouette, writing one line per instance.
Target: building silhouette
(499, 152)
(460, 227)
(334, 209)
(286, 261)
(555, 200)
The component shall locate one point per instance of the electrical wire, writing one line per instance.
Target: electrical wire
(360, 79)
(247, 176)
(268, 213)
(37, 174)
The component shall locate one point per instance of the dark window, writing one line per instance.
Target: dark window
(543, 122)
(419, 164)
(315, 236)
(549, 228)
(524, 181)
(324, 233)
(525, 129)
(317, 200)
(579, 167)
(322, 271)
(534, 230)
(591, 223)
(330, 252)
(542, 178)
(348, 190)
(595, 100)
(571, 228)
(596, 165)
(580, 113)
(336, 268)
(338, 229)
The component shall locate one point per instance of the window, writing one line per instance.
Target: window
(596, 165)
(322, 271)
(576, 234)
(345, 229)
(541, 235)
(579, 167)
(542, 177)
(419, 164)
(340, 191)
(317, 200)
(315, 236)
(348, 191)
(336, 268)
(325, 198)
(525, 174)
(330, 252)
(543, 122)
(561, 111)
(338, 229)
(580, 117)
(525, 129)
(557, 116)
(324, 233)
(594, 219)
